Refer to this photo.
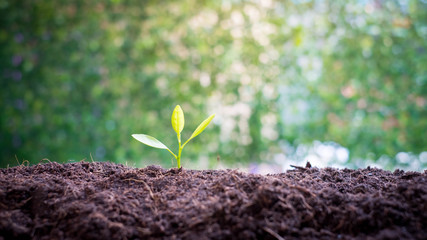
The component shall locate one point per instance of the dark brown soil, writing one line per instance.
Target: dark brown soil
(109, 201)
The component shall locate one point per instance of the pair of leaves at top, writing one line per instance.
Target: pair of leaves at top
(178, 123)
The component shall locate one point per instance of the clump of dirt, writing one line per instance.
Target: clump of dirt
(110, 201)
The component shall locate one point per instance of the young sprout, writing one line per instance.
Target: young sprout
(178, 125)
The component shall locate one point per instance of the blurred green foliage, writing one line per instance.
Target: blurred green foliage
(77, 78)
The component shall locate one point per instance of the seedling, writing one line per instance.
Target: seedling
(177, 125)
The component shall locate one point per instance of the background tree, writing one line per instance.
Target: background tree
(78, 77)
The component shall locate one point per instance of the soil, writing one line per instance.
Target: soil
(110, 201)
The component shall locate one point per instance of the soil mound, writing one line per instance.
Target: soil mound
(110, 201)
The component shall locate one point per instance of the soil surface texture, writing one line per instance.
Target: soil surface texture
(111, 201)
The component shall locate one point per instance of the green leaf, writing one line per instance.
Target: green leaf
(178, 119)
(149, 140)
(201, 127)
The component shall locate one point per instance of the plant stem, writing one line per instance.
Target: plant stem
(179, 156)
(178, 159)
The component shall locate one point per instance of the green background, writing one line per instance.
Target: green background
(342, 83)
